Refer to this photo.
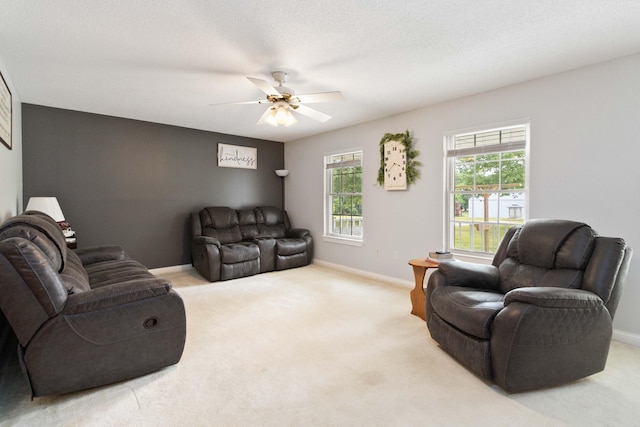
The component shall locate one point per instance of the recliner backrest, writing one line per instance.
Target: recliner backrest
(547, 253)
(607, 270)
(42, 231)
(32, 253)
(222, 223)
(248, 223)
(272, 221)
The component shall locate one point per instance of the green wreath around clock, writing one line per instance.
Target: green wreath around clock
(411, 168)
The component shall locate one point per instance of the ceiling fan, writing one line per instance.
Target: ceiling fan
(283, 101)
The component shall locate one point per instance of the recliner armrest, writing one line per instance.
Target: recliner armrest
(298, 233)
(467, 274)
(115, 295)
(95, 254)
(554, 297)
(206, 240)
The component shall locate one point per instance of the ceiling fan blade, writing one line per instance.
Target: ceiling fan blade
(264, 86)
(262, 101)
(311, 113)
(321, 97)
(263, 118)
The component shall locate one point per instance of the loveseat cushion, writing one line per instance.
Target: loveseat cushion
(471, 310)
(239, 252)
(290, 246)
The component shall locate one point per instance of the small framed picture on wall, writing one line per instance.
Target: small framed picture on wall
(236, 156)
(6, 113)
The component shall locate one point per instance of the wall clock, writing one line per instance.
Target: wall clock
(395, 166)
(398, 166)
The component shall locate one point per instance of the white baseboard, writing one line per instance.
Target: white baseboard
(171, 269)
(626, 337)
(367, 274)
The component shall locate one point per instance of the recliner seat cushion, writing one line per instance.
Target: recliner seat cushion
(290, 246)
(471, 310)
(239, 252)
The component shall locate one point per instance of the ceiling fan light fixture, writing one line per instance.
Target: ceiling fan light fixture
(280, 115)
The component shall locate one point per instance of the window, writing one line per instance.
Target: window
(343, 195)
(486, 189)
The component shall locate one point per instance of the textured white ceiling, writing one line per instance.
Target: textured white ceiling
(167, 61)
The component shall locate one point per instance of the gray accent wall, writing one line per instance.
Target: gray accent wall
(134, 183)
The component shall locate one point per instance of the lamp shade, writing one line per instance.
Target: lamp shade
(48, 205)
(282, 172)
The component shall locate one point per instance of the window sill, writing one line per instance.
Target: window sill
(342, 240)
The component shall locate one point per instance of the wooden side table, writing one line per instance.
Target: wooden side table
(418, 300)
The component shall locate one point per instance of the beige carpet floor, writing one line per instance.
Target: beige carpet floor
(317, 347)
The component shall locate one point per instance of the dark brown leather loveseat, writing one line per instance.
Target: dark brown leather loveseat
(541, 314)
(85, 318)
(228, 243)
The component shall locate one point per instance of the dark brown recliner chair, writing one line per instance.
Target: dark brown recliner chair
(541, 314)
(87, 318)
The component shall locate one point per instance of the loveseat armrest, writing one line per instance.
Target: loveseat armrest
(206, 240)
(468, 274)
(299, 233)
(115, 295)
(554, 297)
(205, 256)
(95, 254)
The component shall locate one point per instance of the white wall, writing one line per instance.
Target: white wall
(585, 165)
(11, 160)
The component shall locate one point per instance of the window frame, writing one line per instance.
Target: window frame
(449, 193)
(328, 235)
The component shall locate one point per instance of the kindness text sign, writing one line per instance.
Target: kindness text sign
(237, 156)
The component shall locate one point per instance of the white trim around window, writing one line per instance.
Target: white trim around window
(480, 166)
(342, 201)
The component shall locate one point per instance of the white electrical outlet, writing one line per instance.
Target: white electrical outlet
(395, 254)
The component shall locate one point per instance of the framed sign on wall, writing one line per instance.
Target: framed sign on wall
(5, 113)
(237, 156)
